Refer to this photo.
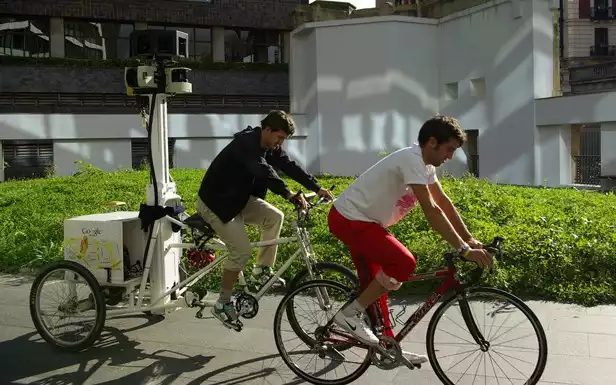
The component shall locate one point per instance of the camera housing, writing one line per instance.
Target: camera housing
(158, 51)
(177, 80)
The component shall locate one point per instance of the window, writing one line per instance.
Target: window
(199, 40)
(601, 47)
(584, 9)
(139, 152)
(93, 40)
(451, 91)
(24, 37)
(27, 159)
(470, 149)
(258, 46)
(601, 36)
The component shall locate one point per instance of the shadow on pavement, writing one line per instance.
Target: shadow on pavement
(29, 359)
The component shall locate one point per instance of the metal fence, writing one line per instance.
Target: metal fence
(588, 162)
(42, 102)
(587, 169)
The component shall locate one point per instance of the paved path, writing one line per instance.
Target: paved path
(181, 349)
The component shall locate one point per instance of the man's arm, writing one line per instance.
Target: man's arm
(435, 215)
(443, 201)
(259, 167)
(280, 159)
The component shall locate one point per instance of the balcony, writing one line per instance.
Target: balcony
(602, 50)
(597, 72)
(601, 12)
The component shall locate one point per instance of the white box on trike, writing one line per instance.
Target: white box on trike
(105, 243)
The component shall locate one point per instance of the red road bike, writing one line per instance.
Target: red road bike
(328, 341)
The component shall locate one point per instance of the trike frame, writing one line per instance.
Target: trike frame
(135, 290)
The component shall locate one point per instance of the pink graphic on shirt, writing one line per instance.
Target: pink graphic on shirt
(405, 204)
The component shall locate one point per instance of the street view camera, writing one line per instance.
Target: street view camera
(159, 51)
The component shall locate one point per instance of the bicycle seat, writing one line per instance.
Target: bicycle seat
(197, 222)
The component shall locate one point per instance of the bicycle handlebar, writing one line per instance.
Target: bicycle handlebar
(495, 248)
(308, 197)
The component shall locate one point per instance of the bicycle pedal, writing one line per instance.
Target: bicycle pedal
(199, 314)
(409, 364)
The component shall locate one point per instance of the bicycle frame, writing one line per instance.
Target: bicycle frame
(304, 249)
(450, 277)
(451, 280)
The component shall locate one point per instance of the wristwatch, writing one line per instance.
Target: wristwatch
(463, 251)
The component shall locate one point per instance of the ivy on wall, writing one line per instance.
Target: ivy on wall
(115, 63)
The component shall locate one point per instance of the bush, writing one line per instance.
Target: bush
(559, 243)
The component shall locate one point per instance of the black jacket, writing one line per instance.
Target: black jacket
(244, 168)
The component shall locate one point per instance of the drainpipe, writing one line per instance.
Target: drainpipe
(561, 25)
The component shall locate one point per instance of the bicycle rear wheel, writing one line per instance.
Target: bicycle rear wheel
(330, 342)
(513, 339)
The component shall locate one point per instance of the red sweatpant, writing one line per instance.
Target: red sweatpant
(373, 248)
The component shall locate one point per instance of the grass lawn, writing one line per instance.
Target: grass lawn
(559, 243)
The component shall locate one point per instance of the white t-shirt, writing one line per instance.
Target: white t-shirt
(381, 194)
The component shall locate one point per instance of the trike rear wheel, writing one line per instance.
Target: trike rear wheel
(74, 274)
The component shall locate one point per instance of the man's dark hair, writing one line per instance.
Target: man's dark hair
(443, 129)
(278, 120)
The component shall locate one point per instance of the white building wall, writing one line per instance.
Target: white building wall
(380, 78)
(498, 79)
(106, 154)
(105, 140)
(362, 101)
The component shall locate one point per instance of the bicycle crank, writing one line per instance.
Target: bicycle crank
(388, 355)
(246, 305)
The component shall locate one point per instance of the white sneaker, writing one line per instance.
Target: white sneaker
(356, 326)
(415, 358)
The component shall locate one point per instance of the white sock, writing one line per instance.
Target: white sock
(352, 309)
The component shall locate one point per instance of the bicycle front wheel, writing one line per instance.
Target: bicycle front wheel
(478, 347)
(332, 351)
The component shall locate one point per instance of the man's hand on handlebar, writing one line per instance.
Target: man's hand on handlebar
(481, 257)
(299, 199)
(474, 244)
(325, 194)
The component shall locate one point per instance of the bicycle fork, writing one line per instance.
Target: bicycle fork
(308, 254)
(469, 320)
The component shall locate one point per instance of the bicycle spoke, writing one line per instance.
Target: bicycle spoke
(330, 358)
(455, 362)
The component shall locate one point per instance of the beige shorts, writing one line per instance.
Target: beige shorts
(234, 235)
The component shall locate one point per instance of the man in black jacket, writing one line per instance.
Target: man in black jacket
(233, 191)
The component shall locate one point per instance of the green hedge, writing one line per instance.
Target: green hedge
(117, 63)
(559, 243)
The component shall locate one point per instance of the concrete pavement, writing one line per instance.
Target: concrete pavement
(181, 349)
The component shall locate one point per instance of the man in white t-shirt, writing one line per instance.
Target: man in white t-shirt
(379, 198)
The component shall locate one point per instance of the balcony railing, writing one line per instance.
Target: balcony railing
(602, 50)
(591, 73)
(28, 102)
(601, 12)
